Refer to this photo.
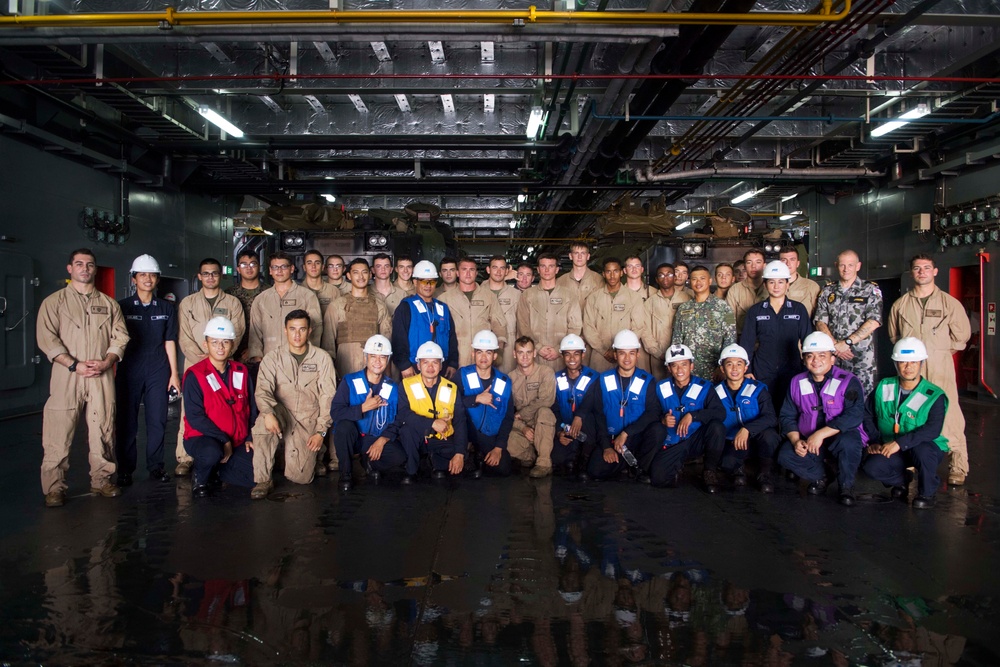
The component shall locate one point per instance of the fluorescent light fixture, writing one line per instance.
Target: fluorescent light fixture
(521, 198)
(329, 198)
(749, 194)
(916, 112)
(531, 248)
(684, 225)
(513, 224)
(534, 122)
(789, 216)
(213, 117)
(789, 197)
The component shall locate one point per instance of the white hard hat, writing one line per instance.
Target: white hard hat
(909, 349)
(220, 327)
(733, 352)
(818, 341)
(144, 264)
(485, 340)
(430, 350)
(678, 353)
(378, 344)
(626, 340)
(776, 270)
(425, 270)
(572, 342)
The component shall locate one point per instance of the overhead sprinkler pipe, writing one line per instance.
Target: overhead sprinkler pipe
(647, 175)
(821, 119)
(171, 18)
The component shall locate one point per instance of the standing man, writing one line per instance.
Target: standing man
(800, 288)
(906, 413)
(448, 269)
(661, 309)
(404, 274)
(473, 308)
(580, 281)
(822, 419)
(633, 271)
(534, 431)
(682, 272)
(217, 393)
(508, 297)
(547, 312)
(705, 324)
(267, 316)
(390, 293)
(525, 275)
(608, 311)
(295, 386)
(773, 333)
(939, 320)
(354, 318)
(489, 407)
(326, 293)
(724, 278)
(364, 416)
(748, 291)
(82, 332)
(431, 420)
(849, 312)
(739, 271)
(335, 269)
(147, 373)
(419, 319)
(194, 312)
(247, 288)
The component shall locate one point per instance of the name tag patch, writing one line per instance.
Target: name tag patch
(288, 303)
(791, 317)
(555, 301)
(99, 310)
(157, 318)
(309, 368)
(504, 302)
(933, 313)
(858, 299)
(134, 318)
(532, 386)
(763, 317)
(221, 311)
(478, 302)
(619, 307)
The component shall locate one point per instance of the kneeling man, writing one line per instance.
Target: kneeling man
(489, 406)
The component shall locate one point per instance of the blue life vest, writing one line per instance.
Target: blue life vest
(692, 399)
(620, 411)
(428, 322)
(569, 394)
(484, 419)
(374, 421)
(744, 409)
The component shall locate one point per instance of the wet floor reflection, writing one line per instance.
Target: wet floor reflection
(574, 581)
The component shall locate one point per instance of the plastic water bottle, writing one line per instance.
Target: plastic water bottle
(629, 457)
(580, 438)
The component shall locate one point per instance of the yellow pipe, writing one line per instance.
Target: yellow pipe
(173, 18)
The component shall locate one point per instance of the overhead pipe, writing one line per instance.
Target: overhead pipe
(648, 176)
(171, 18)
(824, 119)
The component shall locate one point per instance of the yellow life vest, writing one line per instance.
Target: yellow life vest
(421, 404)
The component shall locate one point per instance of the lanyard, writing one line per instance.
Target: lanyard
(624, 398)
(895, 419)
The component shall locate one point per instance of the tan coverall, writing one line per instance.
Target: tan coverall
(741, 296)
(87, 328)
(267, 318)
(533, 396)
(547, 317)
(944, 328)
(348, 323)
(508, 299)
(604, 315)
(326, 295)
(471, 315)
(193, 314)
(591, 282)
(344, 287)
(392, 299)
(806, 292)
(299, 397)
(660, 313)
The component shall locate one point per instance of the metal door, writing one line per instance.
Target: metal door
(17, 317)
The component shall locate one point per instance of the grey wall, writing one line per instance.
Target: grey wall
(42, 197)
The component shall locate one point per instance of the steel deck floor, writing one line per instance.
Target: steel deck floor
(496, 572)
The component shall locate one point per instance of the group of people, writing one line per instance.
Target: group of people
(592, 375)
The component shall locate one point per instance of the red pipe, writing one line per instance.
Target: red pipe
(984, 257)
(532, 77)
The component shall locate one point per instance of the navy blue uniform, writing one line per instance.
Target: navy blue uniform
(748, 407)
(772, 341)
(627, 404)
(489, 427)
(355, 431)
(698, 399)
(142, 377)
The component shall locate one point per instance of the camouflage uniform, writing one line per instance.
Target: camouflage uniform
(246, 297)
(844, 311)
(706, 328)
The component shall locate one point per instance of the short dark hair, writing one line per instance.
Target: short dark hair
(331, 257)
(699, 267)
(313, 251)
(524, 340)
(448, 260)
(922, 256)
(468, 260)
(738, 263)
(381, 255)
(525, 265)
(664, 265)
(82, 251)
(403, 258)
(497, 258)
(787, 249)
(722, 264)
(298, 314)
(579, 244)
(279, 256)
(209, 260)
(246, 253)
(681, 263)
(754, 251)
(547, 255)
(610, 260)
(358, 260)
(628, 257)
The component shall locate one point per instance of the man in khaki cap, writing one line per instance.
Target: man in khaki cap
(194, 312)
(82, 332)
(534, 390)
(940, 322)
(608, 311)
(267, 317)
(295, 386)
(547, 312)
(354, 318)
(473, 308)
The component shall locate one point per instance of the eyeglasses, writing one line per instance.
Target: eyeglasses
(280, 267)
(334, 266)
(209, 274)
(249, 265)
(427, 281)
(664, 275)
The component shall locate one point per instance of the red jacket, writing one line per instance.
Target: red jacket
(227, 403)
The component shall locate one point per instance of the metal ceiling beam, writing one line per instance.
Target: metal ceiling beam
(370, 142)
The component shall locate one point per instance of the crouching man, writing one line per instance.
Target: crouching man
(364, 417)
(431, 419)
(822, 420)
(218, 413)
(295, 385)
(489, 406)
(906, 413)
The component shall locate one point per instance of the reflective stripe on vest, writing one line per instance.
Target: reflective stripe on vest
(484, 419)
(620, 413)
(691, 400)
(227, 404)
(421, 403)
(428, 322)
(913, 410)
(744, 409)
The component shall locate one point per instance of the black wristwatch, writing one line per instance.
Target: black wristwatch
(72, 366)
(850, 343)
